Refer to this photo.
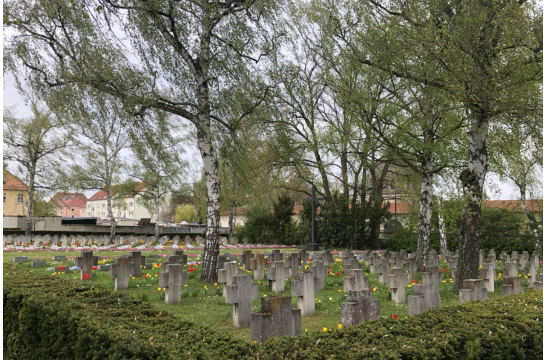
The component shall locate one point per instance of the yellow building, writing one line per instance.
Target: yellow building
(15, 195)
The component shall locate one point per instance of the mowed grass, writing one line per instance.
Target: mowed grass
(203, 304)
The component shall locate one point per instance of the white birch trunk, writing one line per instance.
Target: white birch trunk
(29, 201)
(442, 230)
(156, 200)
(424, 215)
(472, 181)
(110, 212)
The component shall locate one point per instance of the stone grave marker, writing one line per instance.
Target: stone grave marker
(225, 275)
(277, 274)
(538, 283)
(410, 265)
(303, 257)
(327, 257)
(305, 287)
(36, 264)
(277, 318)
(59, 258)
(241, 293)
(163, 240)
(373, 262)
(259, 266)
(397, 281)
(512, 285)
(432, 277)
(188, 240)
(246, 257)
(530, 270)
(182, 258)
(472, 289)
(175, 240)
(481, 255)
(20, 259)
(222, 259)
(293, 263)
(86, 261)
(488, 274)
(172, 280)
(276, 256)
(104, 267)
(359, 307)
(121, 270)
(320, 272)
(171, 260)
(200, 240)
(355, 280)
(383, 270)
(138, 260)
(510, 269)
(421, 299)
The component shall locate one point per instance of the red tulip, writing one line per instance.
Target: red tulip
(394, 316)
(337, 274)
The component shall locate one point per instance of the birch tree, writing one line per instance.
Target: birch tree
(517, 155)
(487, 53)
(35, 144)
(157, 163)
(100, 136)
(192, 59)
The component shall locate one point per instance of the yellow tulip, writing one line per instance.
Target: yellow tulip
(340, 326)
(324, 329)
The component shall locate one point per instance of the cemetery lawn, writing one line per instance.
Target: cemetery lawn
(203, 304)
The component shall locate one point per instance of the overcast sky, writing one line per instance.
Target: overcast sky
(10, 97)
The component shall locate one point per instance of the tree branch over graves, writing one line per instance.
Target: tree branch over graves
(163, 55)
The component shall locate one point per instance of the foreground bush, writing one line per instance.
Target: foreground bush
(49, 318)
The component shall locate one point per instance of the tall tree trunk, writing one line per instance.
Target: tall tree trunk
(325, 181)
(110, 212)
(473, 181)
(30, 200)
(211, 246)
(424, 215)
(344, 173)
(378, 198)
(156, 199)
(532, 223)
(442, 230)
(232, 220)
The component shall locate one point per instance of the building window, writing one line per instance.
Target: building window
(103, 206)
(72, 210)
(4, 197)
(19, 198)
(130, 213)
(130, 203)
(89, 206)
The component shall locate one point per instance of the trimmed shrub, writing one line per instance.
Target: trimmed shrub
(47, 317)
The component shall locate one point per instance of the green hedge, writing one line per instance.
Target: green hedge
(49, 318)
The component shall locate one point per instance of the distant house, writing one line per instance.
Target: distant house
(72, 205)
(132, 209)
(242, 211)
(15, 195)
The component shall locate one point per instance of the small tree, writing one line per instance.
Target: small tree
(36, 145)
(185, 213)
(100, 136)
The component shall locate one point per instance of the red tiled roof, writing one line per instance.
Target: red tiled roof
(514, 205)
(101, 195)
(399, 208)
(63, 199)
(12, 182)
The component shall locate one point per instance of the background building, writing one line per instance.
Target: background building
(15, 195)
(72, 205)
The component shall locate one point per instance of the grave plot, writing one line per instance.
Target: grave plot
(241, 293)
(276, 318)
